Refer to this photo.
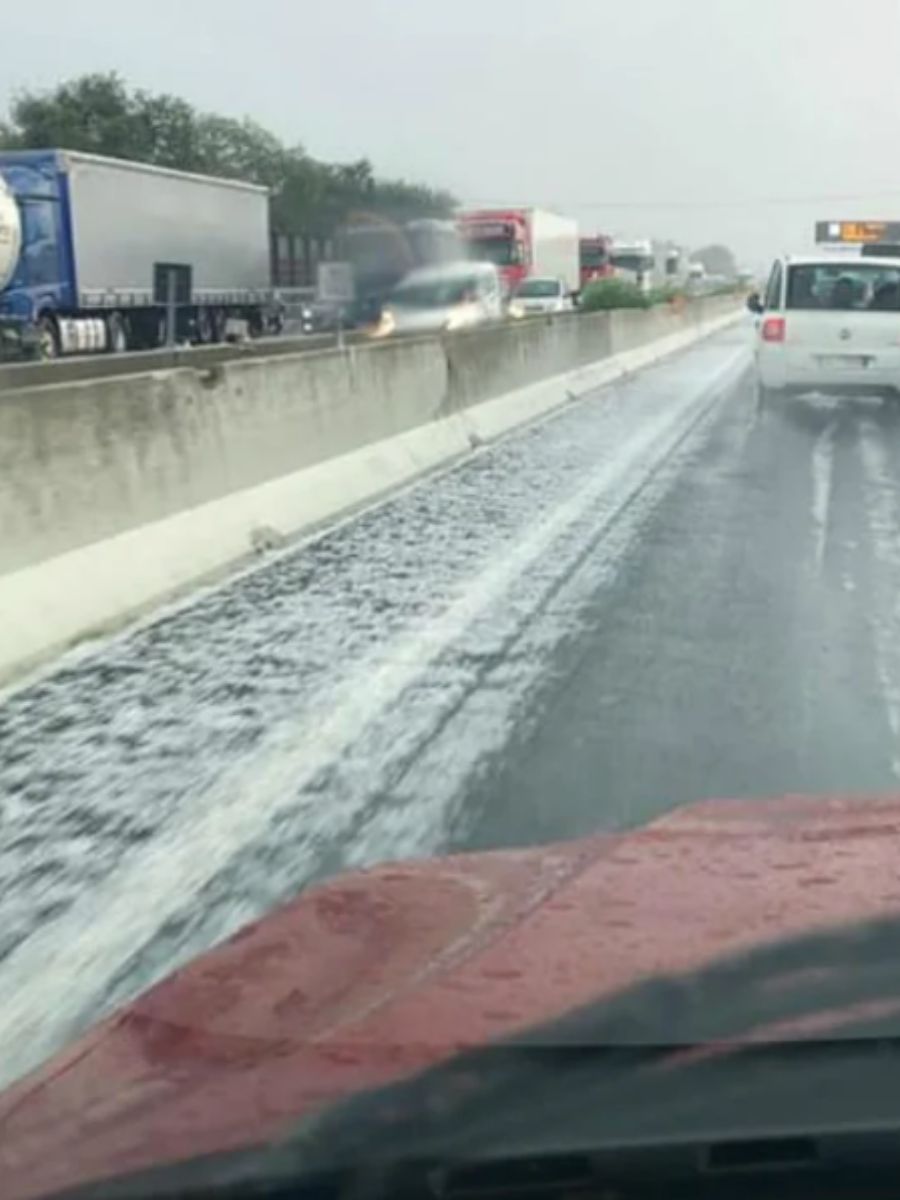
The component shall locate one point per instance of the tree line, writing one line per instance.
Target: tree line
(100, 114)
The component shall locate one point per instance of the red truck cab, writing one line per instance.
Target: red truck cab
(595, 258)
(502, 237)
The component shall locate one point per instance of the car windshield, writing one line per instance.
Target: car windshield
(503, 252)
(540, 288)
(841, 286)
(437, 293)
(448, 578)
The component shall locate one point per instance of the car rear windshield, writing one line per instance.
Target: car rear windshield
(835, 287)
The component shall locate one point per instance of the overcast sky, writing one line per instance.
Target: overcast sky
(735, 120)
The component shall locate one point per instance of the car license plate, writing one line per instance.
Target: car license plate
(844, 361)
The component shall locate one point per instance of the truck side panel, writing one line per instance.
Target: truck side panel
(555, 246)
(126, 217)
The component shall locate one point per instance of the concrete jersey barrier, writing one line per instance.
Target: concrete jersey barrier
(116, 494)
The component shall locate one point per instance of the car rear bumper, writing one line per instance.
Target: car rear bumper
(830, 389)
(792, 372)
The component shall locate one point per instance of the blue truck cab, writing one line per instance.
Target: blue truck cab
(41, 284)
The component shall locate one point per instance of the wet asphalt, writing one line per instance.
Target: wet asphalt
(748, 646)
(658, 595)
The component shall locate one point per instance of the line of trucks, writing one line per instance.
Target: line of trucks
(105, 255)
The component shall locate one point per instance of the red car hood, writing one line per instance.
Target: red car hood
(375, 975)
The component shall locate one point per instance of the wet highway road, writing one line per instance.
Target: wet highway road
(657, 595)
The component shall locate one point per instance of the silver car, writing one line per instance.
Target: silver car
(444, 298)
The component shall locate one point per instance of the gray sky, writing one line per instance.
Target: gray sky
(694, 119)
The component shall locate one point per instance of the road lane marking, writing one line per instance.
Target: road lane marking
(822, 481)
(881, 508)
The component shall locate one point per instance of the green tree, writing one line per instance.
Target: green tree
(613, 293)
(99, 114)
(165, 127)
(94, 113)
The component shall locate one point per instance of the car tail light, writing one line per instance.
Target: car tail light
(774, 329)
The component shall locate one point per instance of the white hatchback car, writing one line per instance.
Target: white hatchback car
(829, 324)
(540, 294)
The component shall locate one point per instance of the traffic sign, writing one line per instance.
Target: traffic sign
(335, 284)
(857, 233)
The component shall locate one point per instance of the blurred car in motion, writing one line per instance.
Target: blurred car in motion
(829, 324)
(383, 252)
(723, 980)
(442, 299)
(540, 295)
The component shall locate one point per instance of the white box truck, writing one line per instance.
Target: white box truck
(523, 242)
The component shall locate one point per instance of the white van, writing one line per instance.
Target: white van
(444, 298)
(829, 323)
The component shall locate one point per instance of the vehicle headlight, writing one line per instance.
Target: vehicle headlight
(385, 325)
(463, 315)
(516, 310)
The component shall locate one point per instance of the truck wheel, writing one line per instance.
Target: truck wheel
(48, 339)
(116, 334)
